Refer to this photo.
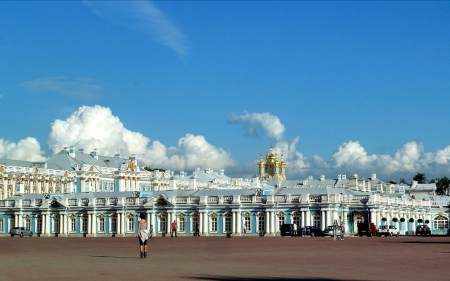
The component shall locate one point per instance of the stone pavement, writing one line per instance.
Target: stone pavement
(222, 259)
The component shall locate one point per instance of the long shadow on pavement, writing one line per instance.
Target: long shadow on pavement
(113, 257)
(420, 242)
(234, 278)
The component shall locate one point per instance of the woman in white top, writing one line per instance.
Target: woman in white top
(142, 235)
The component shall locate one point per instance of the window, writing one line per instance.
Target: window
(317, 221)
(228, 224)
(214, 224)
(247, 223)
(297, 220)
(38, 225)
(84, 225)
(194, 225)
(56, 224)
(73, 225)
(440, 222)
(130, 225)
(261, 224)
(27, 224)
(162, 225)
(2, 225)
(113, 224)
(280, 221)
(101, 224)
(181, 225)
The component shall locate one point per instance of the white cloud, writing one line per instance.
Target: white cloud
(96, 127)
(189, 153)
(76, 88)
(27, 149)
(254, 122)
(145, 17)
(352, 158)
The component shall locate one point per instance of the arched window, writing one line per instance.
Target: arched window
(296, 218)
(440, 222)
(261, 222)
(247, 222)
(281, 219)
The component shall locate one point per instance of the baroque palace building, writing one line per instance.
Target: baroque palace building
(85, 194)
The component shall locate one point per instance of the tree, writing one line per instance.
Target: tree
(392, 182)
(420, 178)
(154, 169)
(402, 181)
(442, 186)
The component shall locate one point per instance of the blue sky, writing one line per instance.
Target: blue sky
(337, 87)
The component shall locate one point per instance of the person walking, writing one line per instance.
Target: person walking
(152, 233)
(342, 231)
(245, 229)
(295, 229)
(335, 229)
(142, 235)
(174, 229)
(197, 230)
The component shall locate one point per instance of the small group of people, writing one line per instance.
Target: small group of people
(337, 227)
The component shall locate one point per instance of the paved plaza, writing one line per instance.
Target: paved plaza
(221, 258)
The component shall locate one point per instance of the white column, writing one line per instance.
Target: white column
(94, 224)
(272, 222)
(378, 219)
(149, 217)
(89, 223)
(335, 216)
(20, 220)
(68, 224)
(267, 222)
(200, 221)
(233, 230)
(62, 224)
(207, 223)
(303, 219)
(323, 219)
(119, 224)
(344, 219)
(43, 228)
(154, 220)
(48, 222)
(307, 218)
(239, 222)
(169, 222)
(123, 223)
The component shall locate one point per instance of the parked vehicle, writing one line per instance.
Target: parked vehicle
(21, 231)
(287, 229)
(423, 229)
(387, 230)
(366, 228)
(312, 231)
(329, 231)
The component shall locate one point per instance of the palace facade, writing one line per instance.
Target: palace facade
(85, 194)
